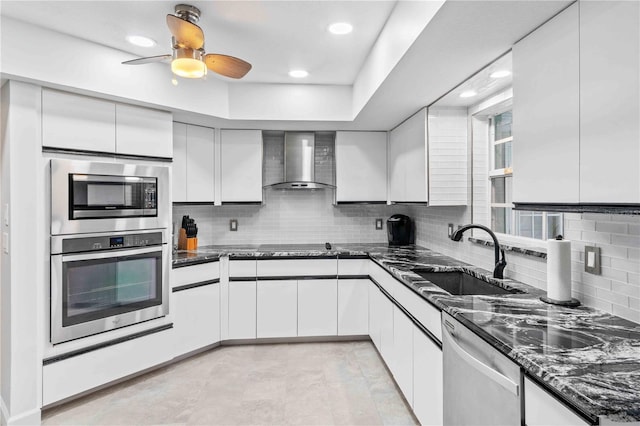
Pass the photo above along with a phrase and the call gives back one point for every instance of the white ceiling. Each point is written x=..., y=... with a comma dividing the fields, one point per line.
x=274, y=36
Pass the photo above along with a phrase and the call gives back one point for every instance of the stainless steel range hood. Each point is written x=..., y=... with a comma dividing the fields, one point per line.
x=299, y=163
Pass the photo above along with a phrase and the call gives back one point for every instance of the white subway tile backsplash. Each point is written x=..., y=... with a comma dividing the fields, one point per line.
x=627, y=313
x=632, y=241
x=596, y=237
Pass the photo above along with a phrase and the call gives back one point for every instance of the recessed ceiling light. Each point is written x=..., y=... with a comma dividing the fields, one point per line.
x=500, y=74
x=141, y=41
x=468, y=94
x=340, y=28
x=298, y=73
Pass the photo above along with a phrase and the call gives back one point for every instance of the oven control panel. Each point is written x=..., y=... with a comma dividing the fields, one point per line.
x=111, y=242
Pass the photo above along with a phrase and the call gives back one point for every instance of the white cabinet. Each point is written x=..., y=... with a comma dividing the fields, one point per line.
x=77, y=122
x=428, y=158
x=196, y=313
x=353, y=307
x=542, y=409
x=427, y=379
x=361, y=166
x=408, y=174
x=402, y=364
x=241, y=166
x=375, y=320
x=143, y=131
x=242, y=310
x=609, y=101
x=546, y=102
x=193, y=163
x=318, y=307
x=387, y=348
x=277, y=308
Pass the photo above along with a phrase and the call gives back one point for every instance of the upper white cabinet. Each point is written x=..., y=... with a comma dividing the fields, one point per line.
x=361, y=166
x=609, y=101
x=72, y=121
x=193, y=163
x=143, y=131
x=546, y=147
x=241, y=166
x=428, y=158
x=576, y=106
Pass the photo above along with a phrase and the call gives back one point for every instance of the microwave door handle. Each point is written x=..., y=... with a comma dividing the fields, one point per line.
x=109, y=254
x=481, y=367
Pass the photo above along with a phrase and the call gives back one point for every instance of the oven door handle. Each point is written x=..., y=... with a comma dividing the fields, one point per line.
x=110, y=254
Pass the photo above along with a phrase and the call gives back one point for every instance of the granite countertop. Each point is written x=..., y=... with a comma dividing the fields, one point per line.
x=589, y=358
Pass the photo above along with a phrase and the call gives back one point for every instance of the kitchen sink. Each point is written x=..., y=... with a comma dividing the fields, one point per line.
x=461, y=283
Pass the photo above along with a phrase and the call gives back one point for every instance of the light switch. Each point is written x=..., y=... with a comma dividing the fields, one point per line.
x=378, y=224
x=5, y=242
x=233, y=225
x=592, y=260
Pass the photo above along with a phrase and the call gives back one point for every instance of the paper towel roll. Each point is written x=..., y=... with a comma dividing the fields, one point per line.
x=559, y=270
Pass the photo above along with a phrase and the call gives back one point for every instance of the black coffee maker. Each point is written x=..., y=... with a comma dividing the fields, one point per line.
x=400, y=230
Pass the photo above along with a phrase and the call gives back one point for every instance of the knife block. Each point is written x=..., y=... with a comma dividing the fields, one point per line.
x=185, y=243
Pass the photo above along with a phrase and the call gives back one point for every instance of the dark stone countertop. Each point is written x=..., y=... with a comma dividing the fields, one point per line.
x=589, y=358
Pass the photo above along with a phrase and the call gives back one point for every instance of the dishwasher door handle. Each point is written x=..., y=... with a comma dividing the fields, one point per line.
x=481, y=367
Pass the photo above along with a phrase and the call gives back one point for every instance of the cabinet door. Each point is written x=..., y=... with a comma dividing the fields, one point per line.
x=427, y=379
x=542, y=409
x=353, y=307
x=196, y=318
x=77, y=122
x=200, y=153
x=277, y=308
x=179, y=165
x=402, y=367
x=408, y=160
x=242, y=310
x=143, y=131
x=375, y=320
x=317, y=307
x=361, y=166
x=386, y=331
x=241, y=170
x=546, y=145
x=609, y=101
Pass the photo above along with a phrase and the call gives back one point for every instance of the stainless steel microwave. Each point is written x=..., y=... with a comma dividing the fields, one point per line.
x=89, y=196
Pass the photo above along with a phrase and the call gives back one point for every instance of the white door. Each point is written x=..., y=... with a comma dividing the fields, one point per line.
x=241, y=165
x=361, y=166
x=402, y=367
x=196, y=318
x=318, y=307
x=143, y=131
x=277, y=308
x=200, y=164
x=375, y=320
x=353, y=307
x=427, y=379
x=242, y=310
x=179, y=164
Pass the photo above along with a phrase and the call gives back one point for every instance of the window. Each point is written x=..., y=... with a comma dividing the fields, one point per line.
x=504, y=219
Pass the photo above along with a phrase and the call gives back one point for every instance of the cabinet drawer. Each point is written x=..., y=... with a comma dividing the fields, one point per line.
x=423, y=311
x=382, y=277
x=297, y=267
x=353, y=267
x=540, y=408
x=195, y=274
x=242, y=268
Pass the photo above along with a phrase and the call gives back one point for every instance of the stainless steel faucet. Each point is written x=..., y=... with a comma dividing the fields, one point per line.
x=498, y=271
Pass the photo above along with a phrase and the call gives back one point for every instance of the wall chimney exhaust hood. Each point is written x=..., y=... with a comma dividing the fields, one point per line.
x=299, y=163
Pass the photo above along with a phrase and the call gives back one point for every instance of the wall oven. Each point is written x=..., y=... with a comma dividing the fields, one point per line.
x=92, y=197
x=100, y=282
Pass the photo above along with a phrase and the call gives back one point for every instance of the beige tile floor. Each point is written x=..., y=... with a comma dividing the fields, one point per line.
x=342, y=383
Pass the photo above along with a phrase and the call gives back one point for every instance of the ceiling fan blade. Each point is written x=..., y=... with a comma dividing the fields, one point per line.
x=229, y=66
x=147, y=60
x=186, y=34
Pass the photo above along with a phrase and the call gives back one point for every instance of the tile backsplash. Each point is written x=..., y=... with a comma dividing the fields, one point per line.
x=290, y=216
x=616, y=290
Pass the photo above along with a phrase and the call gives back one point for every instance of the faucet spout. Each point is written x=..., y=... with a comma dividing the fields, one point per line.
x=500, y=262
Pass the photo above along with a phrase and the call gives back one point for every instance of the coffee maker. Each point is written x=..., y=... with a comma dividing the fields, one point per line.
x=400, y=230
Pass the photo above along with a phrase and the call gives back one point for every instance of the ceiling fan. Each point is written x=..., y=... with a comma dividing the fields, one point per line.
x=188, y=59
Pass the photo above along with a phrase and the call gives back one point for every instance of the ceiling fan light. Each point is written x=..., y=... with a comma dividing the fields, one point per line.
x=188, y=68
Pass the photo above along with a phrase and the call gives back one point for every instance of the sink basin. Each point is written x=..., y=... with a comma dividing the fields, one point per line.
x=460, y=283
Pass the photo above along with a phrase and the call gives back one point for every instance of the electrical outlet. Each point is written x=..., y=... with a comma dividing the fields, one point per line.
x=592, y=260
x=378, y=224
x=450, y=230
x=233, y=225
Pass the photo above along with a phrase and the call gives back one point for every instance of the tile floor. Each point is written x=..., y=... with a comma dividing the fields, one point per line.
x=342, y=383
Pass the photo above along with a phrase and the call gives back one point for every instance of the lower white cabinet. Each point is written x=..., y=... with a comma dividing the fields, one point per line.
x=242, y=310
x=402, y=366
x=427, y=379
x=353, y=307
x=542, y=409
x=375, y=321
x=317, y=307
x=196, y=313
x=387, y=344
x=277, y=308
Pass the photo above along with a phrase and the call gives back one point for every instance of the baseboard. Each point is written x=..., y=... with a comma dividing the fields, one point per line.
x=29, y=418
x=301, y=339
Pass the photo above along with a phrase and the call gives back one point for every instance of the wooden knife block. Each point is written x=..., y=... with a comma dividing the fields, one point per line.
x=185, y=243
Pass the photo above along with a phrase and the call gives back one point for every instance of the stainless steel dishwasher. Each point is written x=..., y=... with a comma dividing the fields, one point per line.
x=481, y=386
